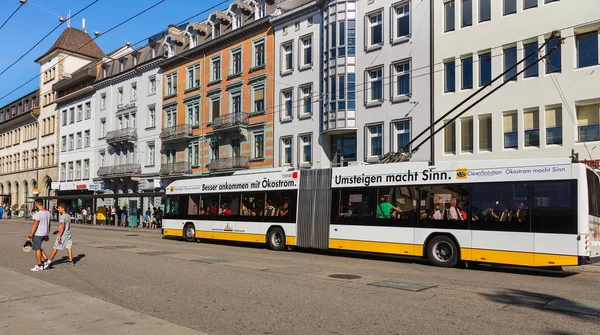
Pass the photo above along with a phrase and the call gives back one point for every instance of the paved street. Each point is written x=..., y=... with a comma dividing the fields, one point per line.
x=221, y=288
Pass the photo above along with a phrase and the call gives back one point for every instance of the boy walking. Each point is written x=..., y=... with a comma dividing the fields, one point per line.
x=39, y=234
x=63, y=240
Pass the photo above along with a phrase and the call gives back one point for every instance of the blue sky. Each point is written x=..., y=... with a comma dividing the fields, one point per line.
x=31, y=23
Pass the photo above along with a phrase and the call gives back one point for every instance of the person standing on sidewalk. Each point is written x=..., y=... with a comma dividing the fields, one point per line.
x=39, y=234
x=64, y=239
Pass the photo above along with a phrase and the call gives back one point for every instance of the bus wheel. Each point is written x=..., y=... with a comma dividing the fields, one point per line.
x=189, y=233
x=276, y=239
x=442, y=251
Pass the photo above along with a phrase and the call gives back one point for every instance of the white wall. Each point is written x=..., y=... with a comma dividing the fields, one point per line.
x=578, y=85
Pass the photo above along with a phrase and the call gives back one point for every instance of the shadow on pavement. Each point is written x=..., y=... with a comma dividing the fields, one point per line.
x=65, y=259
x=555, y=272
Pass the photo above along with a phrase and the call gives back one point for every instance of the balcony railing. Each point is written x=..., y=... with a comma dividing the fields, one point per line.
x=123, y=170
x=227, y=164
x=175, y=168
x=121, y=135
x=230, y=121
x=176, y=133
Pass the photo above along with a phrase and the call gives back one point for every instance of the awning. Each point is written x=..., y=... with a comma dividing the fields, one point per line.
x=102, y=196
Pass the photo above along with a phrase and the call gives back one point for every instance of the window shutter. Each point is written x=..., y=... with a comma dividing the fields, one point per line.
x=587, y=115
x=259, y=94
x=510, y=122
x=197, y=74
x=553, y=117
x=531, y=120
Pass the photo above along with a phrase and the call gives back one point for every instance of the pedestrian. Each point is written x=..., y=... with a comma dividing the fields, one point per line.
x=54, y=213
x=124, y=217
x=39, y=234
x=63, y=238
x=113, y=214
x=1, y=212
x=8, y=213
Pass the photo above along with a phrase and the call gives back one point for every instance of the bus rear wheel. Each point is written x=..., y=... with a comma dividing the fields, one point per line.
x=442, y=251
x=189, y=233
x=276, y=239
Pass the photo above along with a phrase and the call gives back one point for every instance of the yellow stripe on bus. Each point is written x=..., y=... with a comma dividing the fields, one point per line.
x=516, y=258
x=290, y=240
x=231, y=236
x=379, y=247
x=173, y=232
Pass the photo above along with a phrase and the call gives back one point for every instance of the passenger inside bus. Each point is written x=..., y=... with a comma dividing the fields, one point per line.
x=386, y=210
x=285, y=209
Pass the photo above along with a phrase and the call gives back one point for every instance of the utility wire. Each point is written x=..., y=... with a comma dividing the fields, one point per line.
x=11, y=15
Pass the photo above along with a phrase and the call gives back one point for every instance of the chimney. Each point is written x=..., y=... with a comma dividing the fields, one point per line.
x=83, y=24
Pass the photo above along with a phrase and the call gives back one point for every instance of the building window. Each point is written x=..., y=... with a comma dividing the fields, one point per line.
x=79, y=113
x=401, y=135
x=215, y=68
x=103, y=101
x=449, y=16
x=510, y=7
x=286, y=151
x=71, y=142
x=510, y=60
x=375, y=32
x=531, y=56
x=170, y=117
x=485, y=11
x=102, y=128
x=259, y=99
x=171, y=84
x=259, y=145
x=72, y=115
x=554, y=125
x=553, y=61
x=215, y=107
x=375, y=141
x=467, y=13
x=86, y=138
x=77, y=170
x=588, y=123
x=485, y=133
x=306, y=99
x=236, y=61
x=63, y=145
x=237, y=20
x=449, y=137
x=102, y=158
x=375, y=87
x=511, y=133
x=120, y=95
x=449, y=76
x=259, y=52
x=64, y=117
x=466, y=135
x=587, y=49
x=261, y=9
x=133, y=91
x=151, y=153
x=485, y=69
x=88, y=110
x=193, y=76
x=86, y=168
x=287, y=57
x=306, y=147
x=79, y=140
x=532, y=128
x=151, y=116
x=235, y=105
x=306, y=55
x=287, y=103
x=401, y=20
x=529, y=4
x=467, y=73
x=193, y=113
x=63, y=171
x=70, y=175
x=151, y=85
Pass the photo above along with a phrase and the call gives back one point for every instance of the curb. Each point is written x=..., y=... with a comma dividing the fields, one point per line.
x=582, y=268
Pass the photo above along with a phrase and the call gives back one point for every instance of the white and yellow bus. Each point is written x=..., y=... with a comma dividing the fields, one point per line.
x=518, y=212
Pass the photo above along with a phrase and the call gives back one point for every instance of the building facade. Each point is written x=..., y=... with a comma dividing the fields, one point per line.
x=218, y=93
x=374, y=90
x=18, y=150
x=127, y=127
x=547, y=111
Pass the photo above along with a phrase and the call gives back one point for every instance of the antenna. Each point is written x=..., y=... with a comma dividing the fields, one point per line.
x=83, y=24
x=69, y=19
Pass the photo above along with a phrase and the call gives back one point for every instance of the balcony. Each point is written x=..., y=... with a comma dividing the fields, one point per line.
x=121, y=136
x=119, y=171
x=229, y=164
x=176, y=168
x=178, y=133
x=230, y=122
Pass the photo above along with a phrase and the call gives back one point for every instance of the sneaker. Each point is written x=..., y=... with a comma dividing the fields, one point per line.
x=37, y=268
x=47, y=264
x=71, y=263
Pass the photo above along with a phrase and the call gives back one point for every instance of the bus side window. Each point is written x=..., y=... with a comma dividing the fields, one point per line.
x=554, y=207
x=501, y=206
x=193, y=202
x=357, y=206
x=209, y=205
x=445, y=206
x=398, y=204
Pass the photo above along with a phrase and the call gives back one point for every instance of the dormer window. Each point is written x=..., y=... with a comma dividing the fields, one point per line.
x=216, y=30
x=121, y=66
x=261, y=9
x=237, y=20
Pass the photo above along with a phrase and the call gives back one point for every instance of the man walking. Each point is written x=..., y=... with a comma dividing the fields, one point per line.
x=63, y=240
x=38, y=234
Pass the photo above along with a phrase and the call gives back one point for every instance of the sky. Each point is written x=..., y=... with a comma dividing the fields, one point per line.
x=31, y=23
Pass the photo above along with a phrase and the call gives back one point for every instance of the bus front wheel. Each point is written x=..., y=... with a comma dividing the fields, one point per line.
x=276, y=239
x=189, y=233
x=442, y=251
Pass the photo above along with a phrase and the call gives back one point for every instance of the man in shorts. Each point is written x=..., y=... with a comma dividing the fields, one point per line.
x=39, y=234
x=63, y=240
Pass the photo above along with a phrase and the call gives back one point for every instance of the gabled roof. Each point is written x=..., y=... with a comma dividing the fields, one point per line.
x=75, y=41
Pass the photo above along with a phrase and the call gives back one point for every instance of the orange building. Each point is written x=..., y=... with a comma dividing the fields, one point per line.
x=218, y=93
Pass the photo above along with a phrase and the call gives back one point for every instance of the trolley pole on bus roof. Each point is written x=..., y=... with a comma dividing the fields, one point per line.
x=405, y=153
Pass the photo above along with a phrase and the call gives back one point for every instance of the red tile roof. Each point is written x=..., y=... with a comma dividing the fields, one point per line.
x=76, y=41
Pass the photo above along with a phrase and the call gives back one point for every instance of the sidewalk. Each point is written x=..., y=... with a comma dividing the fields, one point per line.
x=90, y=226
x=29, y=305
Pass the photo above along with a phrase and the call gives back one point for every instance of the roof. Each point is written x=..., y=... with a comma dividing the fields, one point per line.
x=76, y=41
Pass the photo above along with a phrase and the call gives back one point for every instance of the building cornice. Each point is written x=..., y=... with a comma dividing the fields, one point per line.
x=128, y=74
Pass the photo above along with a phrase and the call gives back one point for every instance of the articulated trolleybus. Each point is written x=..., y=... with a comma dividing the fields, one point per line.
x=520, y=212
